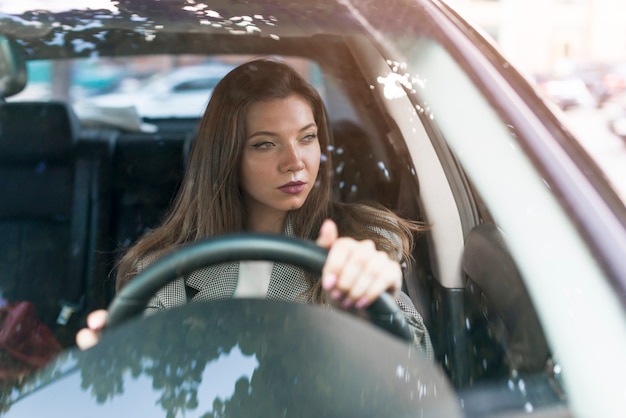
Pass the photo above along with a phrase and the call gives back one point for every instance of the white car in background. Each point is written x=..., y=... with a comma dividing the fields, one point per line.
x=568, y=93
x=184, y=92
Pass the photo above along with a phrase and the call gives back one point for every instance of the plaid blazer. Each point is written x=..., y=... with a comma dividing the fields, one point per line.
x=287, y=282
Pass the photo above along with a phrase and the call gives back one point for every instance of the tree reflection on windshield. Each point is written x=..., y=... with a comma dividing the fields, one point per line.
x=305, y=360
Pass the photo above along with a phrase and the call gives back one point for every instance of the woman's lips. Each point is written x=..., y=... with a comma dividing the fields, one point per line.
x=293, y=187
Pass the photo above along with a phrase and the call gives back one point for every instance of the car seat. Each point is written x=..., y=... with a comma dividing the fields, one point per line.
x=506, y=332
x=53, y=212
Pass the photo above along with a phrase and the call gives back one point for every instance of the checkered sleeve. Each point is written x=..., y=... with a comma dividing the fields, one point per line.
x=169, y=296
x=421, y=337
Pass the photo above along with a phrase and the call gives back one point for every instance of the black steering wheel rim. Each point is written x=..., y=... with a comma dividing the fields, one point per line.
x=133, y=298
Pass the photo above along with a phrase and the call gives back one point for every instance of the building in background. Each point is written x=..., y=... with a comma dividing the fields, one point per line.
x=552, y=37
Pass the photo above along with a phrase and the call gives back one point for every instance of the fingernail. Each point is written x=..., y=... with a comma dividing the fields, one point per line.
x=347, y=302
x=329, y=281
x=335, y=294
x=361, y=303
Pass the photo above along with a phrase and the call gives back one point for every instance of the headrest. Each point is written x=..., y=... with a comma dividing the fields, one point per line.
x=488, y=262
x=33, y=131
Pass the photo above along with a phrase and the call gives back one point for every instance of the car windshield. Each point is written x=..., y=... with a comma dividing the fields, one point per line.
x=520, y=249
x=235, y=358
x=152, y=87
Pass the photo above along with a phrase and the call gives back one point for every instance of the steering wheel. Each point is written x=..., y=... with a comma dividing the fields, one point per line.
x=133, y=298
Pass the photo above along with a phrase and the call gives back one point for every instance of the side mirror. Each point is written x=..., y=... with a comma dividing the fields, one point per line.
x=13, y=74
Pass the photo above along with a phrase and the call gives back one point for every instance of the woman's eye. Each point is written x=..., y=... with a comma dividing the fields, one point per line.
x=310, y=137
x=263, y=145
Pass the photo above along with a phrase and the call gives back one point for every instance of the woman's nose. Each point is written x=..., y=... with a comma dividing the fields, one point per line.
x=291, y=159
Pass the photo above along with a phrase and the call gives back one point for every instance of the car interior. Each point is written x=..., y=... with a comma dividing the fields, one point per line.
x=76, y=196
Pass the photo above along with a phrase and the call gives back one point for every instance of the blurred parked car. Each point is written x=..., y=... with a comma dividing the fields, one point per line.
x=183, y=92
x=567, y=92
x=603, y=80
x=520, y=278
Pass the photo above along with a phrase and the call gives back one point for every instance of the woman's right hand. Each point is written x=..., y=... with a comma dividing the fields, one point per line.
x=355, y=273
x=88, y=337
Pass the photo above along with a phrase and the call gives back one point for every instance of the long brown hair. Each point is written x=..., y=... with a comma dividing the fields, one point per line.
x=210, y=202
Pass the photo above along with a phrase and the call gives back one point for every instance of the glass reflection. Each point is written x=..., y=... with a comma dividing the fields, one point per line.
x=246, y=358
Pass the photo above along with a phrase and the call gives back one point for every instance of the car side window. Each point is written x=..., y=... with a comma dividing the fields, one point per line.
x=492, y=330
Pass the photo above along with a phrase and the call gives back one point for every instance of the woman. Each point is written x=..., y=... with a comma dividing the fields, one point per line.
x=260, y=163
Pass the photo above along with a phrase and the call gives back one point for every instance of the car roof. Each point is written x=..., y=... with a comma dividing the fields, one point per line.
x=270, y=20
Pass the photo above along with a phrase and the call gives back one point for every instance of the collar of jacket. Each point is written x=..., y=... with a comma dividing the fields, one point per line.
x=220, y=281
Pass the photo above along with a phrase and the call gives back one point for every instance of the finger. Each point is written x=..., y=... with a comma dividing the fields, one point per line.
x=391, y=283
x=336, y=261
x=97, y=319
x=374, y=271
x=355, y=264
x=348, y=261
x=86, y=338
x=328, y=234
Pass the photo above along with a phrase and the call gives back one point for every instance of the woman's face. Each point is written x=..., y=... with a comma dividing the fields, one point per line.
x=281, y=158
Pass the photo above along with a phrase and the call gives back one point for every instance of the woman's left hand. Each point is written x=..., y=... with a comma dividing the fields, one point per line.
x=356, y=273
